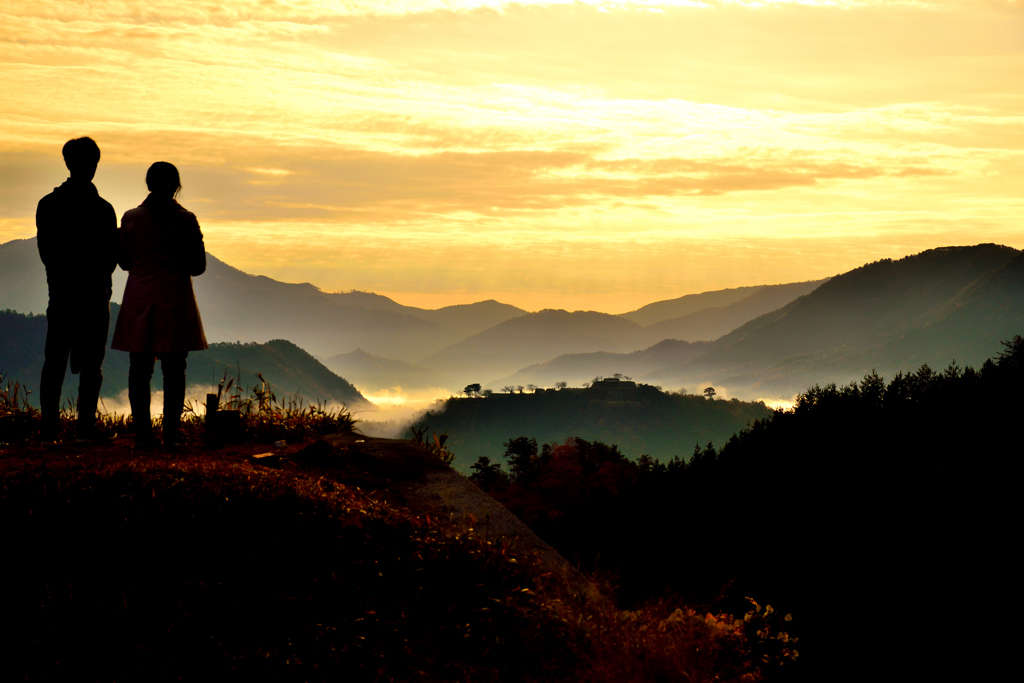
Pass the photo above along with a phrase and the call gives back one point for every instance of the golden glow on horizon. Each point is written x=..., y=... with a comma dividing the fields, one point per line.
x=547, y=154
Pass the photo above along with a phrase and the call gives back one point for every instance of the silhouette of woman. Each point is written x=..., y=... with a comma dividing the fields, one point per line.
x=161, y=246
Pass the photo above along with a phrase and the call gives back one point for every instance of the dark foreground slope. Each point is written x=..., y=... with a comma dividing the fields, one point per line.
x=140, y=566
x=642, y=420
x=288, y=369
x=152, y=568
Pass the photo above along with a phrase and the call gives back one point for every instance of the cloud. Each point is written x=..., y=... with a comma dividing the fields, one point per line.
x=348, y=185
x=475, y=145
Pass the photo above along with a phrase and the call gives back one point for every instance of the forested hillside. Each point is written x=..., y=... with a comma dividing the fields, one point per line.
x=880, y=514
x=640, y=419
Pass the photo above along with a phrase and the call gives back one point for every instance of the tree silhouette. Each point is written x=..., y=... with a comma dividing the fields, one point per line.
x=471, y=390
x=520, y=453
x=487, y=474
x=709, y=393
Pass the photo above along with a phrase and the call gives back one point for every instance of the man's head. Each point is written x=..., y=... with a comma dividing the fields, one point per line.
x=81, y=156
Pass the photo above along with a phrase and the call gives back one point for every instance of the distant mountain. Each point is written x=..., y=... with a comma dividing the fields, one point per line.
x=236, y=306
x=286, y=367
x=588, y=343
x=712, y=323
x=970, y=329
x=469, y=319
x=941, y=304
x=639, y=419
x=466, y=343
x=372, y=373
x=669, y=309
x=23, y=278
x=577, y=368
x=533, y=338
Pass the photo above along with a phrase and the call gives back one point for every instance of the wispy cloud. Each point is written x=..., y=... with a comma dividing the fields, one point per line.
x=528, y=122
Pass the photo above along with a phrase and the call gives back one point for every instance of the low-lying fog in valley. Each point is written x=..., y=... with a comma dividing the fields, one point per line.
x=396, y=409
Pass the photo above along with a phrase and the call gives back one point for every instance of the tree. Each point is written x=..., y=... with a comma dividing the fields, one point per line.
x=520, y=453
x=531, y=387
x=872, y=389
x=486, y=473
x=508, y=389
x=1012, y=355
x=709, y=393
x=561, y=385
x=471, y=390
x=520, y=388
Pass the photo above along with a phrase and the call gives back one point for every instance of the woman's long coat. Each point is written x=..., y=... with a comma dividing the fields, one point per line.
x=161, y=246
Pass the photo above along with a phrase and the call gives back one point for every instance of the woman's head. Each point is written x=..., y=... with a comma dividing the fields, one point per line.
x=162, y=179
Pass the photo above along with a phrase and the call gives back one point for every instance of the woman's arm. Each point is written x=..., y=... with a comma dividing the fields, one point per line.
x=124, y=244
x=195, y=253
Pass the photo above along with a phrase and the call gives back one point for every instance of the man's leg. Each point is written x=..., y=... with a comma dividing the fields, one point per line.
x=89, y=351
x=58, y=348
x=140, y=372
x=173, y=366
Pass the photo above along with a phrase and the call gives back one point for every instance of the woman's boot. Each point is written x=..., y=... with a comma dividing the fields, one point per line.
x=140, y=372
x=173, y=367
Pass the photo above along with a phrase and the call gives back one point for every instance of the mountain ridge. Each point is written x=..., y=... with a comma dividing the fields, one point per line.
x=835, y=332
x=288, y=369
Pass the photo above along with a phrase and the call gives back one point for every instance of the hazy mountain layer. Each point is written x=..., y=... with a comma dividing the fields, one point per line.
x=712, y=323
x=577, y=368
x=372, y=373
x=287, y=368
x=469, y=319
x=461, y=344
x=954, y=302
x=536, y=337
x=236, y=306
x=640, y=420
x=533, y=338
x=23, y=278
x=685, y=305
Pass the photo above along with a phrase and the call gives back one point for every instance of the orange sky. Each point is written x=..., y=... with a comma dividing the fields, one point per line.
x=585, y=155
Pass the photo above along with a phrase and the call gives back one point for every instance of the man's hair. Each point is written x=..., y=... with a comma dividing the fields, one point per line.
x=163, y=177
x=81, y=153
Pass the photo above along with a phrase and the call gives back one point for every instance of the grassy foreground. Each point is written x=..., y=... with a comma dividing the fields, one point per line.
x=131, y=565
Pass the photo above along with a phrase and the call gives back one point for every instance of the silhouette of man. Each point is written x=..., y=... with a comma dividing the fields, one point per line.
x=77, y=238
